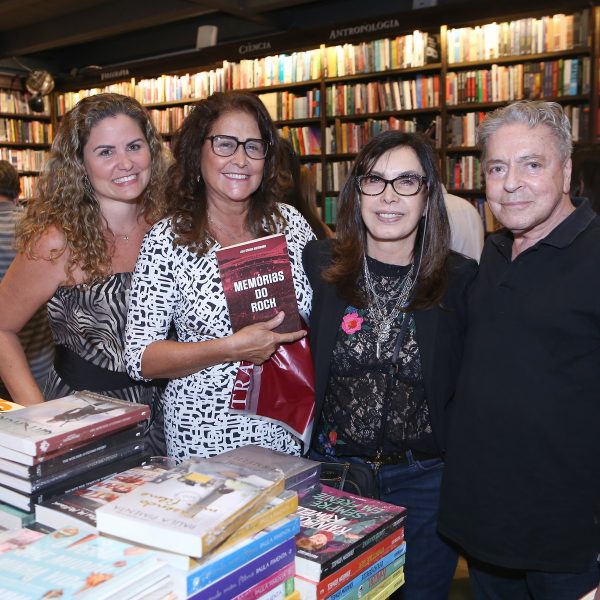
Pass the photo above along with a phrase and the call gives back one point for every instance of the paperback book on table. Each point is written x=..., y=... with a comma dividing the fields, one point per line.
x=49, y=426
x=69, y=563
x=300, y=473
x=257, y=282
x=101, y=450
x=336, y=526
x=27, y=501
x=13, y=518
x=319, y=590
x=78, y=508
x=35, y=483
x=191, y=508
x=221, y=562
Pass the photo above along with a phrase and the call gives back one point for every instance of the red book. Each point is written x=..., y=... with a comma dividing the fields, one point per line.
x=52, y=425
x=257, y=282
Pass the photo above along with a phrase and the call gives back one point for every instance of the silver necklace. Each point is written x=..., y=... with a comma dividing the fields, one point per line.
x=382, y=319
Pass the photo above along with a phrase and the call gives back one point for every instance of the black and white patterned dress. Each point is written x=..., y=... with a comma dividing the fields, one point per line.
x=173, y=285
x=90, y=322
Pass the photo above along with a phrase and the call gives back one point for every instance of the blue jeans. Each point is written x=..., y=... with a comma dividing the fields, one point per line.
x=494, y=583
x=430, y=561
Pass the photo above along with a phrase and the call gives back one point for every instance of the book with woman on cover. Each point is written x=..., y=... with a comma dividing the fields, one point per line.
x=192, y=507
x=55, y=424
x=336, y=526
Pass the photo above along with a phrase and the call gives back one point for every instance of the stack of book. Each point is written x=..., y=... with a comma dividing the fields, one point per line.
x=62, y=444
x=348, y=546
x=225, y=530
x=69, y=563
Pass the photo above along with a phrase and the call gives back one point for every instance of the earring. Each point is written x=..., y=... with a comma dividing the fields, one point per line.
x=87, y=186
x=199, y=179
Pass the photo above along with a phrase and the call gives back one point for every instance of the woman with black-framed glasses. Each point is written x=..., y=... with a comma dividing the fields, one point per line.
x=225, y=188
x=386, y=331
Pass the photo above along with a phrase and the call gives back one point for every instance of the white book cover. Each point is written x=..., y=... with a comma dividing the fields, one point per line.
x=190, y=508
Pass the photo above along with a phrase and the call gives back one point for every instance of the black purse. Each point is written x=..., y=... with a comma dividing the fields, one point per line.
x=355, y=478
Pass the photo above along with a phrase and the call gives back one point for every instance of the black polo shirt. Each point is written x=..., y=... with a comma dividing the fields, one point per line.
x=522, y=479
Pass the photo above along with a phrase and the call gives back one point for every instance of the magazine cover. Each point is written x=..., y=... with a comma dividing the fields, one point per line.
x=190, y=508
x=257, y=281
x=55, y=424
x=336, y=526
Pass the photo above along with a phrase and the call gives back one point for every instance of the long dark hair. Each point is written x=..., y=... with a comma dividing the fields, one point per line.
x=350, y=245
x=186, y=189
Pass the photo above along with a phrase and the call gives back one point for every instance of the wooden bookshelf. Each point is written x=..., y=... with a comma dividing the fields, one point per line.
x=328, y=99
x=25, y=136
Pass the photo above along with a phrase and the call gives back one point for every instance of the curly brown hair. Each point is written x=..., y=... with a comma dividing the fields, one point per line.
x=65, y=199
x=350, y=244
x=186, y=189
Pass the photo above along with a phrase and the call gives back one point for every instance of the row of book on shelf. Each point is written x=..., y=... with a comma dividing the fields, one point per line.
x=380, y=96
x=15, y=102
x=523, y=36
x=24, y=159
x=555, y=33
x=548, y=79
x=461, y=128
x=16, y=130
x=89, y=515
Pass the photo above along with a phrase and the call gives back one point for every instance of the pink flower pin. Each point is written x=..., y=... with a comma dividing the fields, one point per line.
x=351, y=323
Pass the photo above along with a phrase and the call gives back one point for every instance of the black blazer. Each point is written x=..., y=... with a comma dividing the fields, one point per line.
x=440, y=332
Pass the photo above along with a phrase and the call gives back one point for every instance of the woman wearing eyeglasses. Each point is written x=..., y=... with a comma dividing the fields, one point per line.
x=224, y=186
x=389, y=304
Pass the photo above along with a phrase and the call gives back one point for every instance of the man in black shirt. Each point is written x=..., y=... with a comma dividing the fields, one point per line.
x=521, y=491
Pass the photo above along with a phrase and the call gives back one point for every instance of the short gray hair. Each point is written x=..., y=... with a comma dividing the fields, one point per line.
x=531, y=113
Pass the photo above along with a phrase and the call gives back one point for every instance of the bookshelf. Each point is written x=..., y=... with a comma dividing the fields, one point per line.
x=25, y=136
x=443, y=78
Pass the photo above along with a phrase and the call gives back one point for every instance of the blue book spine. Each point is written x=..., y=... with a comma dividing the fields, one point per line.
x=239, y=555
x=384, y=563
x=249, y=574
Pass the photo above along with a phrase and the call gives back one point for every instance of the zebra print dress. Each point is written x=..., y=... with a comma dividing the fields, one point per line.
x=90, y=322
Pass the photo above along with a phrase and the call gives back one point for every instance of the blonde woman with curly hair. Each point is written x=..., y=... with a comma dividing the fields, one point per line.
x=99, y=193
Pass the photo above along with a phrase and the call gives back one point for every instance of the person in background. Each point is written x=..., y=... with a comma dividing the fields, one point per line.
x=225, y=185
x=386, y=332
x=521, y=490
x=35, y=337
x=302, y=194
x=585, y=180
x=99, y=193
x=466, y=226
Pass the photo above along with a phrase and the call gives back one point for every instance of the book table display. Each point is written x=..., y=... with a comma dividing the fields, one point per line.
x=249, y=524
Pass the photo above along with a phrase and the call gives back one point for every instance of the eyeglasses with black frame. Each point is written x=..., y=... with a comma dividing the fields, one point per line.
x=227, y=145
x=409, y=184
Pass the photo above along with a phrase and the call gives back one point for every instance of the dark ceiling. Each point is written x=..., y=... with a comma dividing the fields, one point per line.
x=66, y=36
